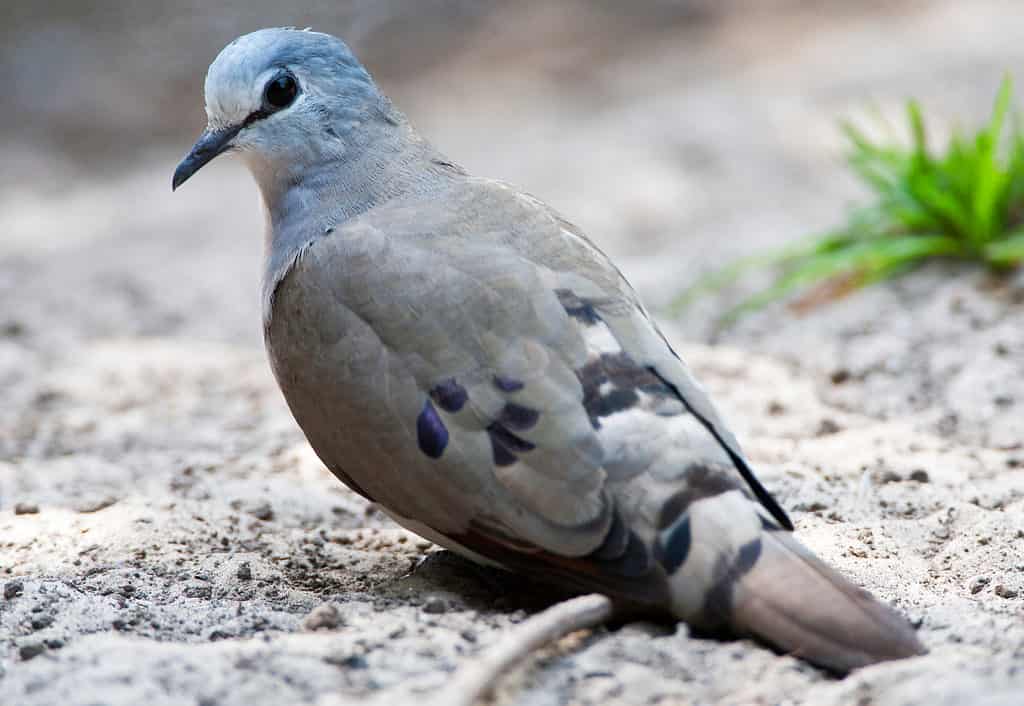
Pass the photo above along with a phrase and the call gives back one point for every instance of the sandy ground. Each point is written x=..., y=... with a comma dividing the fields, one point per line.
x=166, y=537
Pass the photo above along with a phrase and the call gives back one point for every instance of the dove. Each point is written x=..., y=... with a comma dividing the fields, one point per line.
x=462, y=355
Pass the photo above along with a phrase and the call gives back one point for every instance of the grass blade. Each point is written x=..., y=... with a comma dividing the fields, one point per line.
x=1006, y=253
x=965, y=201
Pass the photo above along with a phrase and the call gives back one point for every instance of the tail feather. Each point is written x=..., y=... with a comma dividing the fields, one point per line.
x=730, y=567
x=793, y=600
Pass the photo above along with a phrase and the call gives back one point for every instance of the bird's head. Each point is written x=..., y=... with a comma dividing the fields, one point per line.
x=285, y=99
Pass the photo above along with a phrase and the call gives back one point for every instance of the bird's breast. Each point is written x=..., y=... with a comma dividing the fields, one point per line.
x=356, y=402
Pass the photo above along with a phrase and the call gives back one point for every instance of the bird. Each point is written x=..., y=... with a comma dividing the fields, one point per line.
x=463, y=356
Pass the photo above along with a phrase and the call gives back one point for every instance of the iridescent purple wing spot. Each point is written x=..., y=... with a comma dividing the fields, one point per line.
x=431, y=433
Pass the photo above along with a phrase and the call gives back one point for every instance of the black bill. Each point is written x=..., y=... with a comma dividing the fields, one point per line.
x=209, y=145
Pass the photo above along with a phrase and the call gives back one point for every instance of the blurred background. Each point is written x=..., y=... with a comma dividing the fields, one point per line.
x=678, y=133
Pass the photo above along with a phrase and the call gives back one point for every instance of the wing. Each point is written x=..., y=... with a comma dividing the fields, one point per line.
x=521, y=365
x=489, y=378
x=642, y=346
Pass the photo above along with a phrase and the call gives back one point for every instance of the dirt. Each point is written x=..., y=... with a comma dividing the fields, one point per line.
x=167, y=537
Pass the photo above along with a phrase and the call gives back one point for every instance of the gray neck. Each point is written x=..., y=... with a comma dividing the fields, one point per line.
x=384, y=160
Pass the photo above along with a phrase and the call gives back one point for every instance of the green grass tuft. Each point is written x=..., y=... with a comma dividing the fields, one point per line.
x=966, y=204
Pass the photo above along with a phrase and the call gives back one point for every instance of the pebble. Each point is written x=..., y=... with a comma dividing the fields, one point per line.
x=31, y=650
x=1004, y=591
x=839, y=376
x=24, y=508
x=205, y=592
x=12, y=329
x=244, y=572
x=262, y=511
x=90, y=505
x=435, y=605
x=323, y=617
x=43, y=621
x=347, y=661
x=13, y=589
x=827, y=427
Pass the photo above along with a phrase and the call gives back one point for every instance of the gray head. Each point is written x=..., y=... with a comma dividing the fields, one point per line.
x=286, y=99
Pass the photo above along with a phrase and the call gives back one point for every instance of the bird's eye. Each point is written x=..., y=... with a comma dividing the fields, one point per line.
x=280, y=92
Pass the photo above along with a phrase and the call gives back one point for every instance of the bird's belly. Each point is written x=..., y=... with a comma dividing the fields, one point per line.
x=357, y=404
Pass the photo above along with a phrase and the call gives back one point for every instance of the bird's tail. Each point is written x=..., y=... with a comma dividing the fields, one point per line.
x=731, y=567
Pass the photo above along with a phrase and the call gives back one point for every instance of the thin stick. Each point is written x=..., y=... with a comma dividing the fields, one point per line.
x=478, y=676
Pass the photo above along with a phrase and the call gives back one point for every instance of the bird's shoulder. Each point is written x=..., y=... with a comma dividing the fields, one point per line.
x=465, y=216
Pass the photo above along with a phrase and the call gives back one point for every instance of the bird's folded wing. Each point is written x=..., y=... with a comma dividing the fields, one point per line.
x=538, y=372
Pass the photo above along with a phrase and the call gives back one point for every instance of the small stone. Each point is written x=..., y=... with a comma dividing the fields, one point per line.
x=95, y=504
x=948, y=424
x=435, y=605
x=1004, y=591
x=323, y=617
x=978, y=584
x=26, y=509
x=244, y=572
x=776, y=408
x=12, y=329
x=839, y=376
x=204, y=592
x=347, y=661
x=468, y=635
x=827, y=427
x=13, y=589
x=889, y=477
x=31, y=651
x=262, y=511
x=42, y=621
x=919, y=475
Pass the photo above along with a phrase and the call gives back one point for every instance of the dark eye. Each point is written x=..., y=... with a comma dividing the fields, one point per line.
x=280, y=92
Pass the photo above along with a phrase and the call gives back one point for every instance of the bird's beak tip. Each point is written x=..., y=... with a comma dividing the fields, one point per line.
x=182, y=172
x=210, y=144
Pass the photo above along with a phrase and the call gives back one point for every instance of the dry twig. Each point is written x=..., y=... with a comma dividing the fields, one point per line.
x=476, y=678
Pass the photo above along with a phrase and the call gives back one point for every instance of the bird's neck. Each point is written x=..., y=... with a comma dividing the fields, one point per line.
x=332, y=181
x=308, y=199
